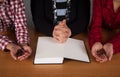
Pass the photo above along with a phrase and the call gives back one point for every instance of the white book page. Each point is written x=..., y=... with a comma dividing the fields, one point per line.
x=48, y=51
x=75, y=49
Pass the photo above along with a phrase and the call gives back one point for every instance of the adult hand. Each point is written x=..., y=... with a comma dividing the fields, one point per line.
x=61, y=32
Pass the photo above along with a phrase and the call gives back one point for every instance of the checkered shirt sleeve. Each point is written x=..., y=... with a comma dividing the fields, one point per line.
x=4, y=41
x=20, y=22
x=16, y=12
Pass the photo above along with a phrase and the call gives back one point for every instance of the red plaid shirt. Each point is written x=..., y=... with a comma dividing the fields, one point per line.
x=104, y=16
x=12, y=15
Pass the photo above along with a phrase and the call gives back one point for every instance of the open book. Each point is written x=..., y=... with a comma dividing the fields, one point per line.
x=50, y=52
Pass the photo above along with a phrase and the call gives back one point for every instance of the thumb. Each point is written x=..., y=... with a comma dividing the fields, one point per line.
x=64, y=22
x=110, y=57
x=13, y=56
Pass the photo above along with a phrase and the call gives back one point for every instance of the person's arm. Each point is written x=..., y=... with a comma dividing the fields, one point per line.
x=4, y=41
x=95, y=33
x=20, y=22
x=8, y=45
x=42, y=24
x=83, y=17
x=115, y=41
x=21, y=29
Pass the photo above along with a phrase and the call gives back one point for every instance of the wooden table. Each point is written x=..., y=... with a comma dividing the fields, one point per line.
x=70, y=68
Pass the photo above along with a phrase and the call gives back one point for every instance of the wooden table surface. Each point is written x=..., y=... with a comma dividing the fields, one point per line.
x=70, y=68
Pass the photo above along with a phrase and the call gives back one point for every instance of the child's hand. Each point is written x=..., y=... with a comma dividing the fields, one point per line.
x=95, y=52
x=108, y=47
x=18, y=53
x=27, y=52
x=104, y=55
x=13, y=50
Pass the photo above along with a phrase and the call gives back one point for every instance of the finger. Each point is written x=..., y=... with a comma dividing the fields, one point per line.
x=61, y=39
x=110, y=57
x=94, y=54
x=61, y=23
x=55, y=32
x=62, y=28
x=102, y=56
x=64, y=40
x=56, y=35
x=97, y=59
x=65, y=33
x=57, y=39
x=56, y=29
x=64, y=22
x=20, y=58
x=103, y=60
x=59, y=32
x=26, y=55
x=13, y=56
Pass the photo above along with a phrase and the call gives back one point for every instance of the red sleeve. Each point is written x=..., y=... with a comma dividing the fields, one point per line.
x=95, y=33
x=116, y=43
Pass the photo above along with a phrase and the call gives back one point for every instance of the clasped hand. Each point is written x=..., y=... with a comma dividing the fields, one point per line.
x=61, y=32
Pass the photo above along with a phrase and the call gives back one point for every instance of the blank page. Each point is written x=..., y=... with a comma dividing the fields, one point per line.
x=75, y=49
x=48, y=51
